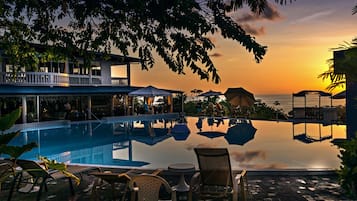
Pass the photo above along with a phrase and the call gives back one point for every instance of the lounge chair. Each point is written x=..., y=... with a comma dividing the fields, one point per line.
x=215, y=179
x=40, y=176
x=147, y=187
x=120, y=180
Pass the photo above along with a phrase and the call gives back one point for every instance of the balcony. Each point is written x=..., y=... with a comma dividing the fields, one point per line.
x=56, y=79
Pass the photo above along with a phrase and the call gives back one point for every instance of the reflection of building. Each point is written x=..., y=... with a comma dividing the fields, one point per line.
x=67, y=89
x=317, y=113
x=309, y=137
x=95, y=144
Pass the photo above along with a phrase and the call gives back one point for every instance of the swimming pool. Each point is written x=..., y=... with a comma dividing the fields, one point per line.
x=274, y=145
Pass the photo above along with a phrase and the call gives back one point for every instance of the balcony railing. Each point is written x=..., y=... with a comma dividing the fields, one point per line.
x=55, y=79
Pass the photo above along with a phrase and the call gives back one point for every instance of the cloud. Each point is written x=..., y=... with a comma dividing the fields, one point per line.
x=248, y=156
x=270, y=13
x=216, y=54
x=313, y=16
x=257, y=31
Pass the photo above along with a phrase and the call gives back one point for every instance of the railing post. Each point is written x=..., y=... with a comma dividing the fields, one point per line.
x=51, y=79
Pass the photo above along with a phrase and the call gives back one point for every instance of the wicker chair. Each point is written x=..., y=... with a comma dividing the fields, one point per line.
x=215, y=179
x=116, y=181
x=147, y=187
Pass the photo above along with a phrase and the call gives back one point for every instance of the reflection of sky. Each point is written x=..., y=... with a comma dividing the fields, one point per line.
x=272, y=147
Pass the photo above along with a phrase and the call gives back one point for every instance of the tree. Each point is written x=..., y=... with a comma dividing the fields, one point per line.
x=178, y=31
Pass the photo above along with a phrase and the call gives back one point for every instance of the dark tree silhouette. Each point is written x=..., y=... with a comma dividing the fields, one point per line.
x=178, y=30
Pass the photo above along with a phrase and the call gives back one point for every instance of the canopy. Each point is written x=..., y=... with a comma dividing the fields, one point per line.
x=306, y=92
x=149, y=91
x=211, y=93
x=240, y=134
x=239, y=97
x=340, y=95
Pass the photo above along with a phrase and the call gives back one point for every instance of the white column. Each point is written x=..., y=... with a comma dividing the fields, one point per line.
x=89, y=107
x=38, y=107
x=24, y=109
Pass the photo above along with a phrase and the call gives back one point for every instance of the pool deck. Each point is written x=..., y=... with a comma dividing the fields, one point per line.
x=271, y=185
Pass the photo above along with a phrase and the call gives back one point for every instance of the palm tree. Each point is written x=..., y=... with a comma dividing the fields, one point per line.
x=338, y=79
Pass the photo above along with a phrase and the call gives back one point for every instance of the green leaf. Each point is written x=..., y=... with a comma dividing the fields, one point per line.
x=6, y=138
x=9, y=120
x=16, y=151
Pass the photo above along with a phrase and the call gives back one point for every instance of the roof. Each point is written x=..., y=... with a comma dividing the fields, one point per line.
x=340, y=95
x=98, y=56
x=11, y=90
x=308, y=92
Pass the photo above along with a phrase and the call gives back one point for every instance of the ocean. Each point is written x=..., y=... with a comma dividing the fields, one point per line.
x=285, y=101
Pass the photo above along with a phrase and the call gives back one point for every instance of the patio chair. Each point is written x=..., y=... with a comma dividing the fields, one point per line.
x=120, y=180
x=147, y=187
x=40, y=176
x=215, y=179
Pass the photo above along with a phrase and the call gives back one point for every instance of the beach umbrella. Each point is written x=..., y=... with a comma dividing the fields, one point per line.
x=239, y=97
x=240, y=134
x=211, y=93
x=149, y=91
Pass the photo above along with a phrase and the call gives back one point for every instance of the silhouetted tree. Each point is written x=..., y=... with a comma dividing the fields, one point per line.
x=178, y=31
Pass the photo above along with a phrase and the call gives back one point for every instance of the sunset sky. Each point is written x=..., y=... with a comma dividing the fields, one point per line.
x=299, y=37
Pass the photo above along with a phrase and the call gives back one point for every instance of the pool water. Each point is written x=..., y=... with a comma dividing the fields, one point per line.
x=273, y=145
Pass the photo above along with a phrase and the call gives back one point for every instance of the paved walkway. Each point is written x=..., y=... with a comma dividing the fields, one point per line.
x=266, y=187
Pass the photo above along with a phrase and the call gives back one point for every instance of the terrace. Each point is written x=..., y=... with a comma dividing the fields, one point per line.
x=57, y=79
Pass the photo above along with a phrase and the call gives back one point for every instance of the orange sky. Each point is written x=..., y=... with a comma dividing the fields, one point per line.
x=299, y=39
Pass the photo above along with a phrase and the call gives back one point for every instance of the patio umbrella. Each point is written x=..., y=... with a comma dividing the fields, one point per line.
x=211, y=93
x=149, y=91
x=240, y=134
x=239, y=97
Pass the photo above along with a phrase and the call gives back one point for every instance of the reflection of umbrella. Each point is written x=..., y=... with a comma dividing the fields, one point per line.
x=149, y=91
x=211, y=134
x=143, y=137
x=211, y=93
x=240, y=134
x=128, y=163
x=239, y=97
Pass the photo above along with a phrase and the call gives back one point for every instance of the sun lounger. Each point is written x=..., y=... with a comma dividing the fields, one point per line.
x=36, y=177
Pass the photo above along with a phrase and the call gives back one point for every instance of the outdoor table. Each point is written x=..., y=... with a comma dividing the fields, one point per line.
x=182, y=168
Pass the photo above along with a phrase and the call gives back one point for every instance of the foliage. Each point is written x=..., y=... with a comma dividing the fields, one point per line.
x=258, y=111
x=62, y=167
x=338, y=79
x=6, y=122
x=178, y=31
x=348, y=168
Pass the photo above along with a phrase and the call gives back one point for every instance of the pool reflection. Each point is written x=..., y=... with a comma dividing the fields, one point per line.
x=269, y=145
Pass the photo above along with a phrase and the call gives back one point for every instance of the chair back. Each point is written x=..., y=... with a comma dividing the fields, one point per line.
x=33, y=168
x=147, y=187
x=215, y=166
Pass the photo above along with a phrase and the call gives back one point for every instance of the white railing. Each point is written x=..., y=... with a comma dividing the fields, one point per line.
x=55, y=79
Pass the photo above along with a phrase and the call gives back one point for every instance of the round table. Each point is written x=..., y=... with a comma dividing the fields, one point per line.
x=182, y=168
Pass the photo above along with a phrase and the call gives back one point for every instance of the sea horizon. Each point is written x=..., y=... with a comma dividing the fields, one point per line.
x=285, y=101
